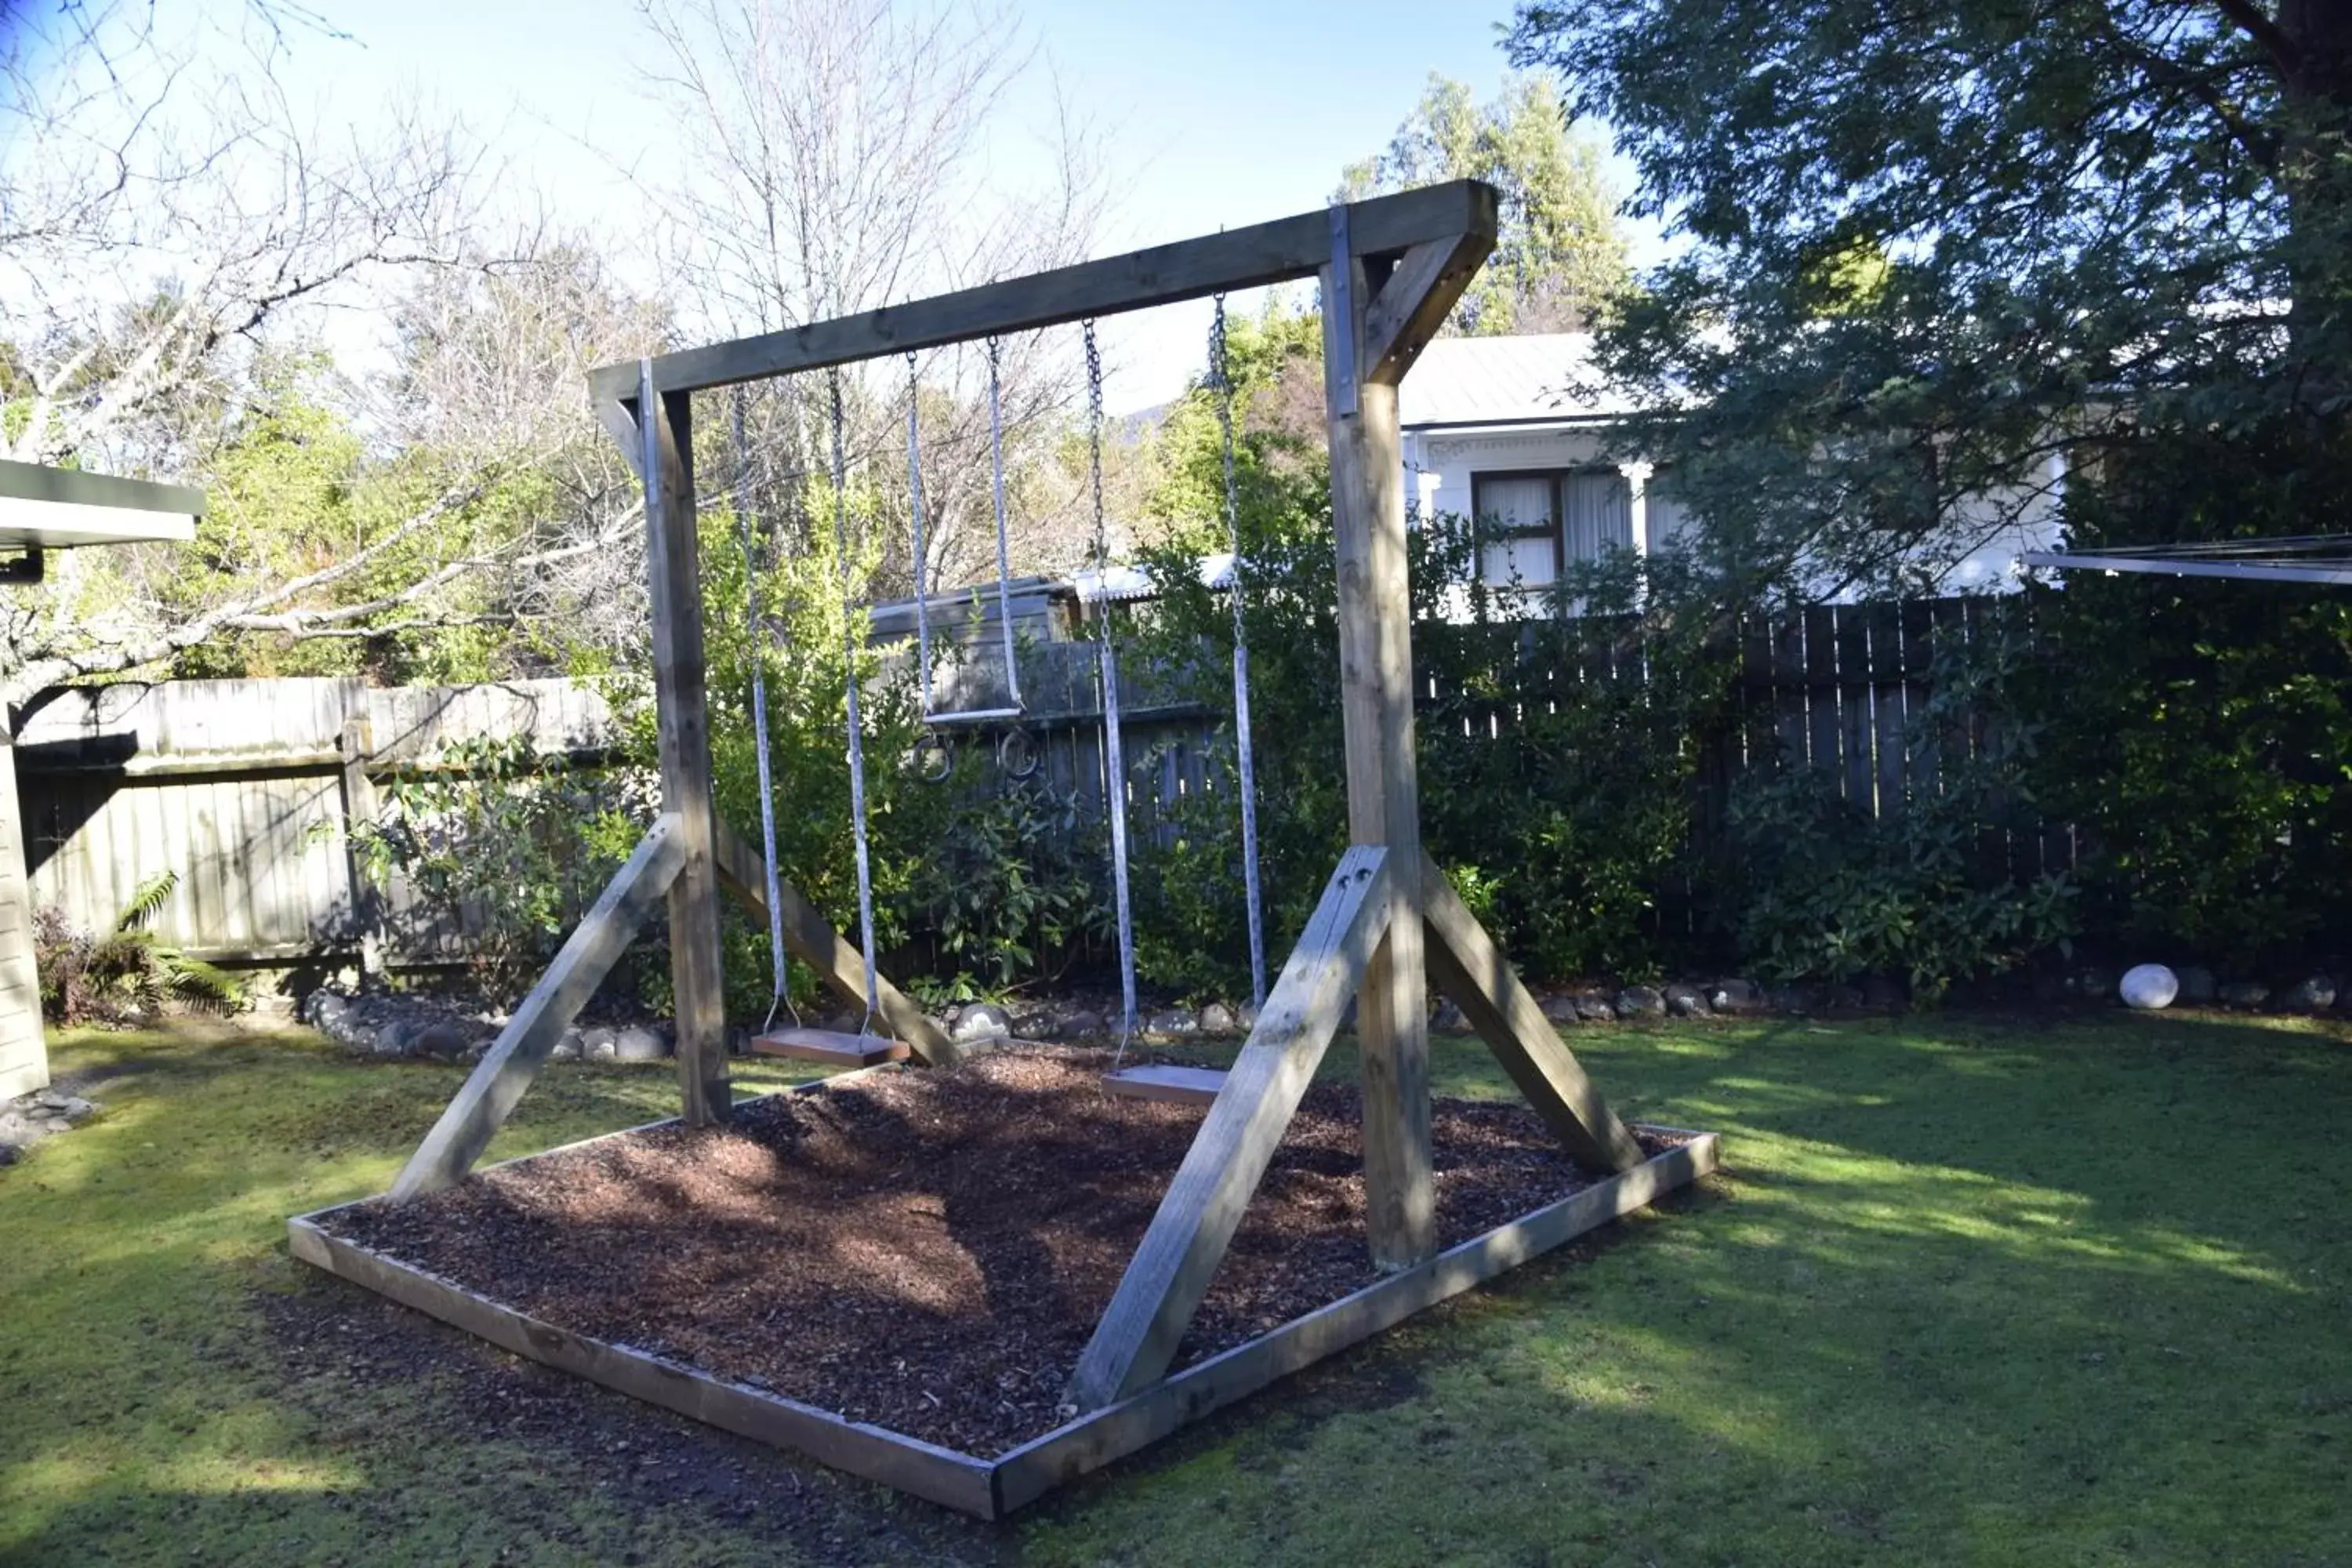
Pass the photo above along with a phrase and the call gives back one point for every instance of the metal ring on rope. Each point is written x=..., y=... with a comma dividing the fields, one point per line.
x=1017, y=755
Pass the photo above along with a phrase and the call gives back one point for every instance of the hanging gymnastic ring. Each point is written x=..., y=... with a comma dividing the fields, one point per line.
x=1016, y=753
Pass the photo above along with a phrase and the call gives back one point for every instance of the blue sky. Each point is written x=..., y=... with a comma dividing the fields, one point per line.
x=1211, y=114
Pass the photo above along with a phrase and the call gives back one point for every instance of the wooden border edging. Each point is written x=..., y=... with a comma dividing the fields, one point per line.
x=994, y=1489
x=938, y=1473
x=1037, y=1467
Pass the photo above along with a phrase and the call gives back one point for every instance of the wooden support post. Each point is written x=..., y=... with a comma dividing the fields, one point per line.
x=24, y=1047
x=1196, y=1222
x=1376, y=321
x=515, y=1058
x=812, y=941
x=1383, y=786
x=1467, y=966
x=674, y=579
x=358, y=750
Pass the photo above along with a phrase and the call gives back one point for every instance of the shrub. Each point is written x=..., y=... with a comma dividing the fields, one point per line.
x=127, y=973
x=1825, y=891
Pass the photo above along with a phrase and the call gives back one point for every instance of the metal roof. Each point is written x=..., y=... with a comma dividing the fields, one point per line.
x=43, y=507
x=1541, y=378
x=1128, y=585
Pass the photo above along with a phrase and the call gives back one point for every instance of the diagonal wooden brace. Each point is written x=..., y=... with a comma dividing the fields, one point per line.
x=1171, y=1271
x=814, y=942
x=499, y=1080
x=1465, y=964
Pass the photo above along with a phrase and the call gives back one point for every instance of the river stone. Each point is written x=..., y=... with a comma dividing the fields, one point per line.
x=440, y=1042
x=597, y=1044
x=1216, y=1018
x=1559, y=1008
x=1082, y=1023
x=2149, y=986
x=1172, y=1021
x=1447, y=1018
x=1793, y=999
x=2245, y=993
x=1684, y=1000
x=1641, y=1002
x=2198, y=986
x=982, y=1021
x=638, y=1042
x=2094, y=983
x=1594, y=1007
x=1736, y=996
x=566, y=1048
x=2314, y=993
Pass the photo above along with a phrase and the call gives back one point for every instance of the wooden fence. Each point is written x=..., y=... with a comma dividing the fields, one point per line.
x=244, y=789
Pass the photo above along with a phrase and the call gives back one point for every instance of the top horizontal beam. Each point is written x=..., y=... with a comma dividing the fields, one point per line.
x=1277, y=252
x=2160, y=566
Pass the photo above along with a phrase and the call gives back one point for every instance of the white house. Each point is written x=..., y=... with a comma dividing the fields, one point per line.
x=1515, y=432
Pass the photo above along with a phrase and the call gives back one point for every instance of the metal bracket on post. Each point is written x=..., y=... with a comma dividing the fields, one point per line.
x=1342, y=306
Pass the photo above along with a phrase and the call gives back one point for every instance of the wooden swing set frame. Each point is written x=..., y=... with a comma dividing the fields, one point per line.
x=1387, y=924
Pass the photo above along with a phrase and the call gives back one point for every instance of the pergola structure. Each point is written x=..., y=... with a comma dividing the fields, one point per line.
x=1388, y=922
x=44, y=509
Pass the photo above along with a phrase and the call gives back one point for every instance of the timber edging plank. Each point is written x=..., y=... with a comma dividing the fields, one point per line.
x=993, y=1488
x=1028, y=1472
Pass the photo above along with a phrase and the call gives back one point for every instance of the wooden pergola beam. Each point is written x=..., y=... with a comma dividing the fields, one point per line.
x=682, y=733
x=1277, y=252
x=1136, y=1339
x=1468, y=967
x=588, y=954
x=1375, y=320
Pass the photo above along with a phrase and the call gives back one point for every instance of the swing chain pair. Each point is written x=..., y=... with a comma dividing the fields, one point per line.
x=856, y=736
x=1114, y=753
x=1014, y=751
x=1221, y=377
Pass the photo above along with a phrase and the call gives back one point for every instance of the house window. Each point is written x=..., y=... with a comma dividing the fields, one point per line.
x=1533, y=525
x=1518, y=529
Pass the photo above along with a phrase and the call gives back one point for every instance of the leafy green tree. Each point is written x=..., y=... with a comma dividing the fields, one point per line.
x=1561, y=254
x=1945, y=260
x=1949, y=252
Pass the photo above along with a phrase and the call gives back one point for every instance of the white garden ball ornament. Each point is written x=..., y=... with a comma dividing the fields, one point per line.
x=2150, y=986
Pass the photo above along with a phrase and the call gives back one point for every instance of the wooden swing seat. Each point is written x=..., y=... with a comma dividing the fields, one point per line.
x=1174, y=1084
x=829, y=1047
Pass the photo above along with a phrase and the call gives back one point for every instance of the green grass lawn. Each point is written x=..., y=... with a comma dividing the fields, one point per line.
x=1970, y=1292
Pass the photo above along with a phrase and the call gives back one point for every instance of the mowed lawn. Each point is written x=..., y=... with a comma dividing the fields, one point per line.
x=1971, y=1290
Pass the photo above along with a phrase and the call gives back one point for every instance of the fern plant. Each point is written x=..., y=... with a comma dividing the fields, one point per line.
x=127, y=972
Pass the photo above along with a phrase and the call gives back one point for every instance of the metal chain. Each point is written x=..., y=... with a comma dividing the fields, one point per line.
x=1222, y=377
x=1093, y=454
x=915, y=508
x=1004, y=549
x=755, y=625
x=856, y=737
x=1114, y=752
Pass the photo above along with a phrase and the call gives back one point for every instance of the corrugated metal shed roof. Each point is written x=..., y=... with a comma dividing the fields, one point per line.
x=1127, y=584
x=1535, y=379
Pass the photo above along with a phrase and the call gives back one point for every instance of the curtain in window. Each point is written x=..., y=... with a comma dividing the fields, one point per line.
x=1668, y=516
x=1520, y=506
x=1599, y=509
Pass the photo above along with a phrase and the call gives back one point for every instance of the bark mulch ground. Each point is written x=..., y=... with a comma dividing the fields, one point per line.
x=929, y=1251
